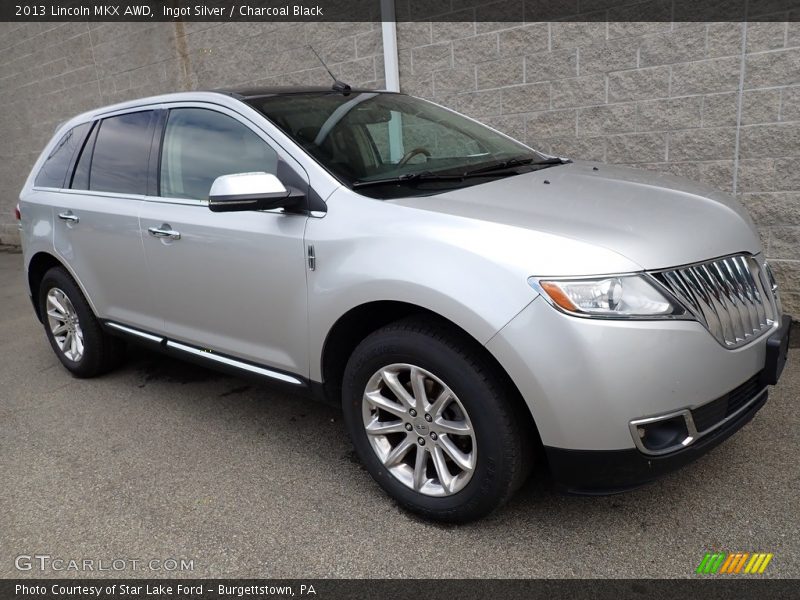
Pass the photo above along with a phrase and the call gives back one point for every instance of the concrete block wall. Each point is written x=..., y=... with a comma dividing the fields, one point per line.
x=50, y=72
x=716, y=102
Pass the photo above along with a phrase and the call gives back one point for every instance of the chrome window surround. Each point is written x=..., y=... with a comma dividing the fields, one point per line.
x=248, y=122
x=692, y=434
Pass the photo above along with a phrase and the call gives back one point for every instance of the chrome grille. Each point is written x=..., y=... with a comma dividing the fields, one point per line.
x=731, y=296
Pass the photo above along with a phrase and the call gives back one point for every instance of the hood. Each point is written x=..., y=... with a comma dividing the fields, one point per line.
x=656, y=221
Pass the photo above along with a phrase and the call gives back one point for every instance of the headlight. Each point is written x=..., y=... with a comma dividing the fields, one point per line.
x=622, y=297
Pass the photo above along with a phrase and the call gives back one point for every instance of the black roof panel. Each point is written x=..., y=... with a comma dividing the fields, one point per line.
x=256, y=92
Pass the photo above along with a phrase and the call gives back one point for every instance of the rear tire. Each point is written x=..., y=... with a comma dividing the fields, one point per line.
x=474, y=446
x=75, y=334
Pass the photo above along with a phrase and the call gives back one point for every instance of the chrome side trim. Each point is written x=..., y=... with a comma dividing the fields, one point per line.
x=207, y=354
x=136, y=332
x=694, y=435
x=233, y=363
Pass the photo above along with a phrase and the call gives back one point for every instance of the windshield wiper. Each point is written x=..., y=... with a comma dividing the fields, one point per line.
x=407, y=178
x=485, y=171
x=514, y=162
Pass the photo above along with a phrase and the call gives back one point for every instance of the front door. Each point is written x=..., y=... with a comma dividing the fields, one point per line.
x=233, y=283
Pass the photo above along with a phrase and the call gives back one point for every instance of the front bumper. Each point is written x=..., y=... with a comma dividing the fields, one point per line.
x=612, y=471
x=585, y=380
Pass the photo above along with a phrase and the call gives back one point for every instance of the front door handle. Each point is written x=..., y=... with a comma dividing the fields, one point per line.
x=68, y=216
x=165, y=231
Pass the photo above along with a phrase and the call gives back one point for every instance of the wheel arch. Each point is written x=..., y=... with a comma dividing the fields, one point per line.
x=39, y=264
x=359, y=322
x=350, y=329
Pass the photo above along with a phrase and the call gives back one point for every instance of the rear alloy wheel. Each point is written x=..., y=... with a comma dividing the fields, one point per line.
x=64, y=325
x=434, y=421
x=74, y=332
x=419, y=430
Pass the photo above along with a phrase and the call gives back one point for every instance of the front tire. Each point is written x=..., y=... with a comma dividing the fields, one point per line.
x=75, y=334
x=434, y=422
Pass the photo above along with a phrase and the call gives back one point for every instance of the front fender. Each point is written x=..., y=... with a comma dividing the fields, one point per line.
x=367, y=251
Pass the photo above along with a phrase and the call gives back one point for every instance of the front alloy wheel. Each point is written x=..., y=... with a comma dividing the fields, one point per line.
x=434, y=421
x=419, y=430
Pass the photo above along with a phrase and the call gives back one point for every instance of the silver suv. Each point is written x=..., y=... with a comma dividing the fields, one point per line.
x=473, y=304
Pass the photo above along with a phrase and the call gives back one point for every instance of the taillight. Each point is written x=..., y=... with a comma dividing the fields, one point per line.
x=17, y=214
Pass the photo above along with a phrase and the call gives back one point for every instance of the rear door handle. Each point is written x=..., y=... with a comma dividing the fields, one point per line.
x=68, y=216
x=165, y=231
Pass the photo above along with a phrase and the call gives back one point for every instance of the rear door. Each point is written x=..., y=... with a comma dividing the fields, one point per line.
x=233, y=283
x=97, y=218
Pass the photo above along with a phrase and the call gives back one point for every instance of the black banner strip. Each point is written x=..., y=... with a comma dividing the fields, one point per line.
x=512, y=11
x=712, y=587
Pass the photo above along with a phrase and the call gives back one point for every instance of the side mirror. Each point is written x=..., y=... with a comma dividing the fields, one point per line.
x=251, y=191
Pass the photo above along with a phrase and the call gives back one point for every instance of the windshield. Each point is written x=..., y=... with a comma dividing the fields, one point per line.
x=389, y=145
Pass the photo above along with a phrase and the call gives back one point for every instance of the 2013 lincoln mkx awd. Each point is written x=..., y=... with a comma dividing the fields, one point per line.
x=473, y=304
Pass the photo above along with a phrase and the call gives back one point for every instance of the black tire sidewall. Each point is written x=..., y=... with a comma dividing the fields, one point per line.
x=478, y=392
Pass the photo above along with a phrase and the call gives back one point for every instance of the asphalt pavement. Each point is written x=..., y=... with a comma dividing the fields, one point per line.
x=165, y=460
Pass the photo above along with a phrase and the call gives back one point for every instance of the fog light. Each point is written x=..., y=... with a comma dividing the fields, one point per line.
x=663, y=434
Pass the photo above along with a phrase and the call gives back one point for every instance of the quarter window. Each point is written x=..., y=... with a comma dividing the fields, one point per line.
x=54, y=169
x=200, y=145
x=121, y=154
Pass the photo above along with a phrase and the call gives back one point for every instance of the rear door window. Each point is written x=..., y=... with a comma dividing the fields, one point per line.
x=121, y=153
x=54, y=170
